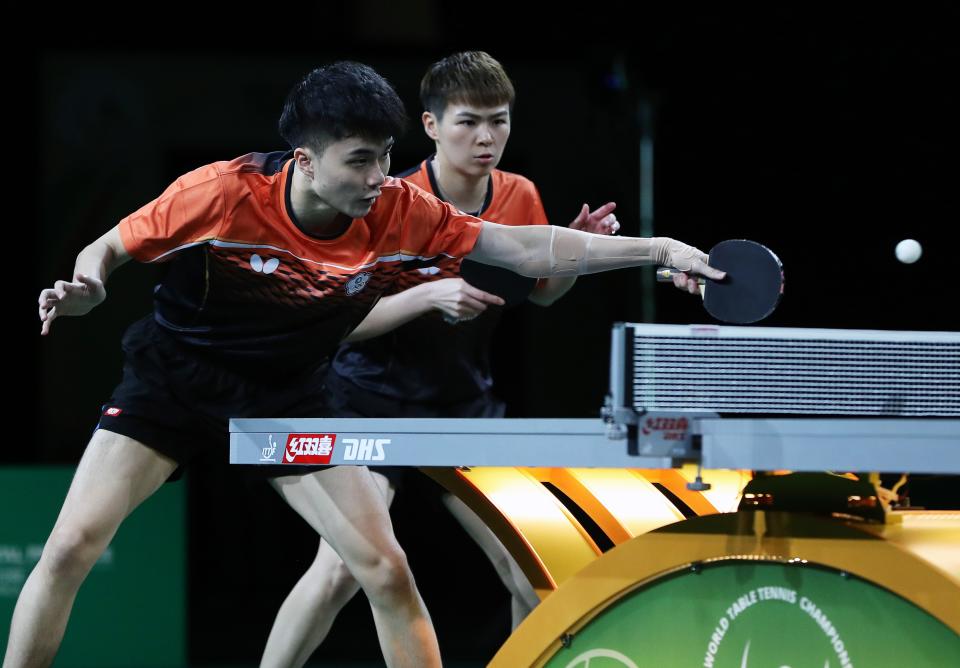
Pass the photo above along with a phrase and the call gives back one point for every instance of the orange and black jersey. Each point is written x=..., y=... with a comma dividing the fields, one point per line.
x=511, y=199
x=250, y=287
x=427, y=359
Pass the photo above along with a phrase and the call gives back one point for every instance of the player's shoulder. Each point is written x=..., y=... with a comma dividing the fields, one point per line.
x=418, y=175
x=396, y=187
x=263, y=164
x=513, y=181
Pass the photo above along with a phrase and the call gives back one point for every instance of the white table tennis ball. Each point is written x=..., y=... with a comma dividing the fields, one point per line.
x=909, y=251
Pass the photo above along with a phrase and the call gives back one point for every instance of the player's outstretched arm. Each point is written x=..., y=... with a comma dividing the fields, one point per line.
x=546, y=250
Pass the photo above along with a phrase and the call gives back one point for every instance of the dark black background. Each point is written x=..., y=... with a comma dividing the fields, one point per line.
x=828, y=135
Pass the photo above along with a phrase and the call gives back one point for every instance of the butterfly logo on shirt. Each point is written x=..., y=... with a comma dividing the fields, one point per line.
x=259, y=266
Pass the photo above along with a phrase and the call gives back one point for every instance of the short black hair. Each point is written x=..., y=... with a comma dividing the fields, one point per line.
x=345, y=99
x=468, y=77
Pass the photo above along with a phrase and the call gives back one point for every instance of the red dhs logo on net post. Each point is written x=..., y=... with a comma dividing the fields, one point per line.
x=309, y=448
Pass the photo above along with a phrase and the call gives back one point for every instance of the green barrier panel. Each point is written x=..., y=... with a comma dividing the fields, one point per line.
x=131, y=611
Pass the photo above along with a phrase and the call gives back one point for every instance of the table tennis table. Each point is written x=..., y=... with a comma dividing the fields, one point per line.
x=721, y=397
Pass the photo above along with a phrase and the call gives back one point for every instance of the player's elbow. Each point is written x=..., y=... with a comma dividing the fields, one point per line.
x=540, y=300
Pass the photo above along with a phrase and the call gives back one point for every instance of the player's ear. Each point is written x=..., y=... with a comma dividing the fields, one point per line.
x=430, y=124
x=303, y=158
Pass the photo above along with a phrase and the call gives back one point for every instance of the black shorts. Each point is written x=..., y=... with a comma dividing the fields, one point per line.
x=179, y=403
x=351, y=401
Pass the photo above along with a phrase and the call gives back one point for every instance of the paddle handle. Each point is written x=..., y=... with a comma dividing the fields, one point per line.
x=665, y=275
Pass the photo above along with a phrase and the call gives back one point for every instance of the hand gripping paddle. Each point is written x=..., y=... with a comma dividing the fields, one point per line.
x=752, y=287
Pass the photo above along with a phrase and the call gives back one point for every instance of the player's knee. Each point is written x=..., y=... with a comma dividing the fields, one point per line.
x=389, y=579
x=70, y=552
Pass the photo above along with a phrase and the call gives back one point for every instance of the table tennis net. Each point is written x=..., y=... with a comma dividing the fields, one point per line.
x=793, y=371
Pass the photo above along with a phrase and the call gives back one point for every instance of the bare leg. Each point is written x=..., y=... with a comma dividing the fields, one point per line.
x=523, y=597
x=115, y=475
x=345, y=506
x=307, y=613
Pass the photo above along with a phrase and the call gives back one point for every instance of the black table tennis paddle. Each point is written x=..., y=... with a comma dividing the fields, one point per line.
x=752, y=287
x=512, y=288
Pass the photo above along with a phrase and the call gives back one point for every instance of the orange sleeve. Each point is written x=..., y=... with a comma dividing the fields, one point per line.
x=433, y=227
x=191, y=210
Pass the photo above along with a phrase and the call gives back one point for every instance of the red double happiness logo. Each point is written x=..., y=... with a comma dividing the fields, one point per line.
x=309, y=448
x=671, y=429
